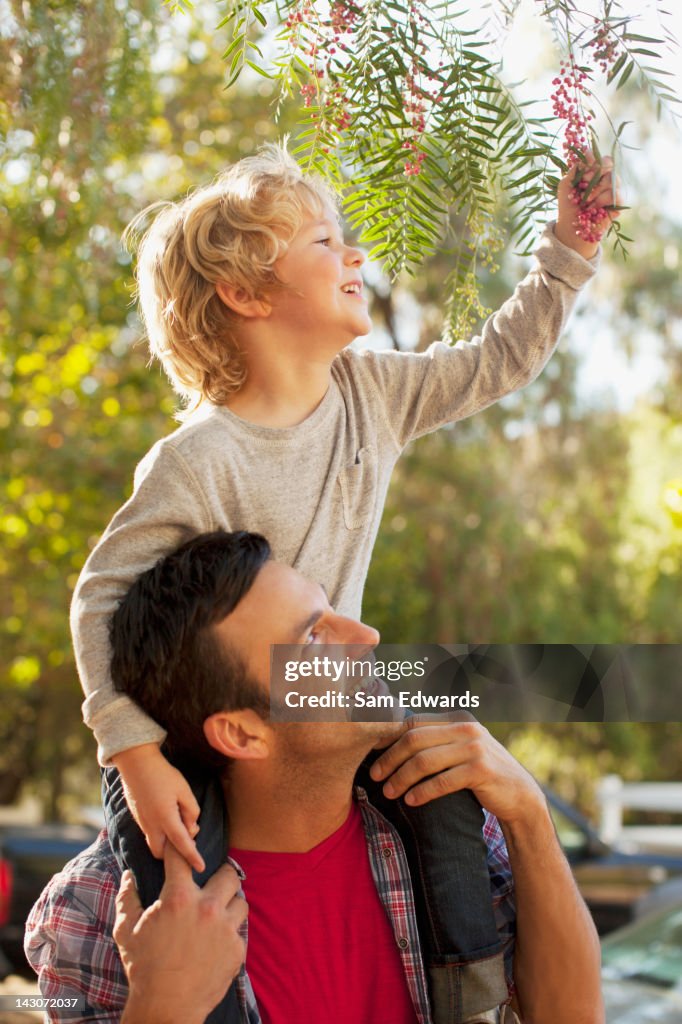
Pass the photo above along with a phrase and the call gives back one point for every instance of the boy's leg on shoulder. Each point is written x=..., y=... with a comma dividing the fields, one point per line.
x=130, y=846
x=131, y=851
x=447, y=853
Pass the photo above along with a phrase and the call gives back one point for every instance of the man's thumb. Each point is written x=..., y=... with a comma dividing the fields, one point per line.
x=128, y=907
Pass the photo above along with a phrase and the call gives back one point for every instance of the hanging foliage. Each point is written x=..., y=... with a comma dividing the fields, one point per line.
x=404, y=107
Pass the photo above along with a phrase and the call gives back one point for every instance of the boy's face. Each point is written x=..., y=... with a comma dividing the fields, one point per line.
x=324, y=300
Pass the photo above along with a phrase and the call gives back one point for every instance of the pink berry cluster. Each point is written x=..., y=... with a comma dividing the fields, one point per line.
x=604, y=46
x=308, y=92
x=319, y=39
x=298, y=17
x=343, y=15
x=590, y=221
x=567, y=104
x=419, y=97
x=415, y=106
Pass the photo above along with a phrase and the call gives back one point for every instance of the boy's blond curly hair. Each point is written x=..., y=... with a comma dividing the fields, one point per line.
x=231, y=230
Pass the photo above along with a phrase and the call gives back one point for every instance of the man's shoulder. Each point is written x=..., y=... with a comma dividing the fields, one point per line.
x=86, y=886
x=69, y=937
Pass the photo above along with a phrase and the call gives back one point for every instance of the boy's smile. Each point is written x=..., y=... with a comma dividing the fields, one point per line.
x=325, y=299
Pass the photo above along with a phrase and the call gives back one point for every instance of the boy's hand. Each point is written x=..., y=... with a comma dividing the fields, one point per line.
x=603, y=194
x=182, y=953
x=160, y=800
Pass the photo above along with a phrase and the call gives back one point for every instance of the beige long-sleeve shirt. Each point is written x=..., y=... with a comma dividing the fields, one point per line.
x=315, y=490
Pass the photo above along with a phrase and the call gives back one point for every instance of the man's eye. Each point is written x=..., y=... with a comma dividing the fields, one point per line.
x=312, y=638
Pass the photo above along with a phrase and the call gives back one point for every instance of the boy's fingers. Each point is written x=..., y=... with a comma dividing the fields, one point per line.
x=190, y=807
x=156, y=842
x=189, y=819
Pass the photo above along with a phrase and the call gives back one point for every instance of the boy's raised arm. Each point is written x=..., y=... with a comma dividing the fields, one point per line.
x=423, y=391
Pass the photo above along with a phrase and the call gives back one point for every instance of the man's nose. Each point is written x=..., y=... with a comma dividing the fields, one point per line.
x=351, y=631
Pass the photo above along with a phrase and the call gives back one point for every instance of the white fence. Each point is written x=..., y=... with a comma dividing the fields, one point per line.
x=616, y=796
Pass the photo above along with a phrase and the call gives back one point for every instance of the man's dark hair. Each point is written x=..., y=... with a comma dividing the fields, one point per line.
x=165, y=653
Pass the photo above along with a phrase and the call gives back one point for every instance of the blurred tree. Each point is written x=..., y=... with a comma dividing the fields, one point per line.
x=536, y=521
x=75, y=99
x=104, y=119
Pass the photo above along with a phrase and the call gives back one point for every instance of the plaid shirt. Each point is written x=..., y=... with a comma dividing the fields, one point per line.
x=69, y=931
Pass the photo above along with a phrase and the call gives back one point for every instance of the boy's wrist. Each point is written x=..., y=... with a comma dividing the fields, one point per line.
x=134, y=756
x=565, y=233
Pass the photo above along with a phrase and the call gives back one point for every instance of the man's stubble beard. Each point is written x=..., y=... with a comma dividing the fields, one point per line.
x=311, y=761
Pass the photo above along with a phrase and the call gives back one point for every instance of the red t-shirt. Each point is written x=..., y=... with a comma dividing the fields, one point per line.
x=321, y=947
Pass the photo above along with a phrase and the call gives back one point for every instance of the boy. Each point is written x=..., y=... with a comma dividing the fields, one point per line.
x=250, y=298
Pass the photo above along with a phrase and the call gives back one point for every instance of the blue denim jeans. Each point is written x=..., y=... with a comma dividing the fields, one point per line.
x=131, y=851
x=448, y=861
x=447, y=855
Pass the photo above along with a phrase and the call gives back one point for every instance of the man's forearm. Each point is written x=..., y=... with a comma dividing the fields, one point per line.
x=142, y=1011
x=557, y=960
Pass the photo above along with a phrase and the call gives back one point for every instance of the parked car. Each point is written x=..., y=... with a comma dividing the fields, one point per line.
x=612, y=881
x=29, y=856
x=642, y=968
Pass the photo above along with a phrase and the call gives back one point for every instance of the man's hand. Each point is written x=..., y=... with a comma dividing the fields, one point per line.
x=160, y=800
x=435, y=756
x=604, y=195
x=182, y=953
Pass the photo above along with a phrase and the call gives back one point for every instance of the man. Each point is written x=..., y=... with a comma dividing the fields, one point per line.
x=332, y=931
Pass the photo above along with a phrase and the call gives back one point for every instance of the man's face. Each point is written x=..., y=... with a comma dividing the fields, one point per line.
x=283, y=607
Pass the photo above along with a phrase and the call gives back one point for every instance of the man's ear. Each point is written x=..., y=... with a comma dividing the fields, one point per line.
x=241, y=302
x=241, y=735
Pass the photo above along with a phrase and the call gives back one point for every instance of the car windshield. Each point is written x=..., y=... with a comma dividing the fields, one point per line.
x=650, y=951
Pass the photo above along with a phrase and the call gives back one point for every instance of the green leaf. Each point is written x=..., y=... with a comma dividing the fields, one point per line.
x=615, y=68
x=626, y=74
x=632, y=37
x=236, y=42
x=259, y=70
x=595, y=147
